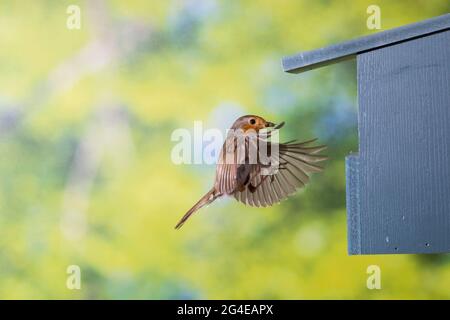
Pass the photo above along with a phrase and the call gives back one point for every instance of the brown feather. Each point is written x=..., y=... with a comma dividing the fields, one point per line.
x=297, y=162
x=209, y=197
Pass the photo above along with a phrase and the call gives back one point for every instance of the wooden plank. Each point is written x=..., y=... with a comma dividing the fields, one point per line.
x=352, y=200
x=317, y=58
x=399, y=184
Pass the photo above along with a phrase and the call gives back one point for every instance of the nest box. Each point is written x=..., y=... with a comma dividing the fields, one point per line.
x=398, y=184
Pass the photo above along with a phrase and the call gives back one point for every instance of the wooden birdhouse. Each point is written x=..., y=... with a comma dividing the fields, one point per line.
x=398, y=184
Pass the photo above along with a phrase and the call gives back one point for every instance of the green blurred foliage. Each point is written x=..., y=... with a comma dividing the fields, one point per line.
x=85, y=123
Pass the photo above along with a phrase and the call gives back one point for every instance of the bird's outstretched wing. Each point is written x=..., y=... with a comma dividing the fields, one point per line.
x=297, y=162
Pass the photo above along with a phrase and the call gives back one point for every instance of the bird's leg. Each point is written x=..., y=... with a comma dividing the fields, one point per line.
x=253, y=188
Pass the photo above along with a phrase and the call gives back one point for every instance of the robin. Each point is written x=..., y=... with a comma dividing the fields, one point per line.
x=248, y=178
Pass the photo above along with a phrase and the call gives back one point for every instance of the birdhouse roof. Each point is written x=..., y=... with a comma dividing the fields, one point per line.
x=308, y=60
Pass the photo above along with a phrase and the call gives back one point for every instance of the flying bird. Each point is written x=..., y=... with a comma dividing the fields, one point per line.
x=245, y=176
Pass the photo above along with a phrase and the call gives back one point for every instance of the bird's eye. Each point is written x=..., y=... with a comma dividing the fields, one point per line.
x=252, y=121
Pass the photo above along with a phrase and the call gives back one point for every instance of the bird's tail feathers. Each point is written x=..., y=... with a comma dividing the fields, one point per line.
x=209, y=197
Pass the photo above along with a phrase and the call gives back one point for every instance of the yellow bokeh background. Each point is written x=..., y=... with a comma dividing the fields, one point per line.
x=86, y=118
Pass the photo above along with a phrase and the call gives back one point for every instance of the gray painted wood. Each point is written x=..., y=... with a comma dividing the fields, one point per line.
x=317, y=58
x=398, y=187
x=352, y=201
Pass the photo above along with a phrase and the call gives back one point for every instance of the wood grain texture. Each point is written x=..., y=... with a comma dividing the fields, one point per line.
x=308, y=60
x=352, y=200
x=399, y=186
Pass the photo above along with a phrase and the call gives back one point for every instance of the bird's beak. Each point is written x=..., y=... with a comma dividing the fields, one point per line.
x=270, y=124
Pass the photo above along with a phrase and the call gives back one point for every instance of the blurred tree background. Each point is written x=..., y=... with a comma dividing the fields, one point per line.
x=87, y=179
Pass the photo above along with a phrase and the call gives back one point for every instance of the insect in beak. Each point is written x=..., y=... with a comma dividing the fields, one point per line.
x=280, y=125
x=275, y=126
